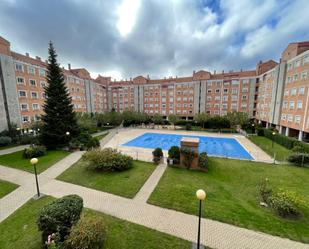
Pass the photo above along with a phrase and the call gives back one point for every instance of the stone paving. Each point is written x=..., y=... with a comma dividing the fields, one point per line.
x=214, y=234
x=13, y=149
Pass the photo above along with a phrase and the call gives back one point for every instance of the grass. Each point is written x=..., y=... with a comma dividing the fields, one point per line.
x=232, y=194
x=16, y=160
x=266, y=144
x=6, y=187
x=126, y=183
x=20, y=231
x=101, y=136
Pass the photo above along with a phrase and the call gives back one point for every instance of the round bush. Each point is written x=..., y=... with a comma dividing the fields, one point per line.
x=88, y=233
x=299, y=159
x=93, y=143
x=174, y=153
x=107, y=160
x=34, y=151
x=59, y=216
x=157, y=155
x=5, y=141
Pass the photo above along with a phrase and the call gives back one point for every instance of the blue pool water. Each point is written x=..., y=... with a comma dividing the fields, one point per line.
x=214, y=146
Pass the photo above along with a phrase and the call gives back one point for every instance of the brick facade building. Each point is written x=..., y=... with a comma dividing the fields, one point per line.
x=275, y=94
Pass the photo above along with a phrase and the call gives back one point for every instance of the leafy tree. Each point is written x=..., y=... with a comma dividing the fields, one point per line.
x=173, y=119
x=201, y=118
x=238, y=118
x=157, y=119
x=59, y=116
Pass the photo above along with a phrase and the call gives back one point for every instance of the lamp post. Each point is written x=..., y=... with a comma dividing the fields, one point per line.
x=200, y=195
x=272, y=144
x=253, y=128
x=34, y=161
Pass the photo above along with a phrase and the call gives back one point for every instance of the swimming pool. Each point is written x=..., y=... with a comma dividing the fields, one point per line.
x=214, y=146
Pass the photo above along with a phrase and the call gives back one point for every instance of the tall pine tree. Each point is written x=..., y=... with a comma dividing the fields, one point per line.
x=59, y=116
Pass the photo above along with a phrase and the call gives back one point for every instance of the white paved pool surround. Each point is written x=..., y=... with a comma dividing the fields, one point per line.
x=125, y=135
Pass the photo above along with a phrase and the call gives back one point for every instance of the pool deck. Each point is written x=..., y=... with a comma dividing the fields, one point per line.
x=125, y=135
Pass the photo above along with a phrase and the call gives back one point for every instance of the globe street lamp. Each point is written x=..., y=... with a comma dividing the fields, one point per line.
x=34, y=161
x=272, y=145
x=200, y=195
x=67, y=133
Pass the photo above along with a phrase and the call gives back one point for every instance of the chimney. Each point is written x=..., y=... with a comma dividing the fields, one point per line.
x=214, y=71
x=38, y=58
x=222, y=71
x=148, y=76
x=69, y=66
x=27, y=54
x=193, y=71
x=241, y=70
x=130, y=78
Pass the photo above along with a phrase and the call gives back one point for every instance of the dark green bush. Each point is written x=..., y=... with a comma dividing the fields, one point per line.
x=93, y=143
x=285, y=203
x=4, y=141
x=188, y=127
x=34, y=151
x=107, y=160
x=285, y=141
x=188, y=155
x=299, y=159
x=157, y=155
x=59, y=216
x=88, y=233
x=174, y=153
x=28, y=139
x=203, y=160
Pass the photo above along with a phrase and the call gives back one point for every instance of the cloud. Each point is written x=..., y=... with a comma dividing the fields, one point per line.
x=173, y=37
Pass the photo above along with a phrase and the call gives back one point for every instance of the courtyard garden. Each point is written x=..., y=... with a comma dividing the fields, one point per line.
x=125, y=181
x=233, y=197
x=20, y=230
x=6, y=188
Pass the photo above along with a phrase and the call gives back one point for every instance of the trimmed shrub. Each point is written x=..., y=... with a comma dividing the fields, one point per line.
x=93, y=143
x=203, y=160
x=88, y=233
x=299, y=159
x=74, y=144
x=285, y=203
x=107, y=159
x=34, y=151
x=157, y=155
x=174, y=152
x=286, y=142
x=188, y=127
x=4, y=141
x=59, y=216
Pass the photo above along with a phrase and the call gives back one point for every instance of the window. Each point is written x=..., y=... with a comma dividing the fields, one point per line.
x=289, y=79
x=217, y=90
x=43, y=84
x=306, y=59
x=24, y=107
x=42, y=72
x=295, y=78
x=224, y=106
x=292, y=104
x=225, y=90
x=19, y=67
x=297, y=63
x=297, y=119
x=283, y=117
x=34, y=95
x=290, y=117
x=225, y=98
x=235, y=82
x=244, y=97
x=217, y=98
x=32, y=83
x=304, y=75
x=25, y=119
x=246, y=81
x=300, y=104
x=285, y=104
x=234, y=97
x=301, y=90
x=286, y=93
x=293, y=91
x=209, y=91
x=31, y=70
x=234, y=91
x=245, y=90
x=43, y=95
x=20, y=80
x=290, y=66
x=35, y=106
x=22, y=93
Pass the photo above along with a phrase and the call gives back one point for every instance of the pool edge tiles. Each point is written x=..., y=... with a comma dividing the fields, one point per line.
x=223, y=147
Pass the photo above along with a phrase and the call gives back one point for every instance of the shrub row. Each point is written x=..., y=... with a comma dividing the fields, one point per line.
x=34, y=151
x=4, y=141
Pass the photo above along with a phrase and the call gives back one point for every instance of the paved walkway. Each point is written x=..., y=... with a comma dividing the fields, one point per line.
x=214, y=234
x=13, y=149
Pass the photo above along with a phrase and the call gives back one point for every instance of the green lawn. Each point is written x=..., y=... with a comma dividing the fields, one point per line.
x=20, y=231
x=16, y=160
x=126, y=183
x=232, y=194
x=266, y=144
x=6, y=187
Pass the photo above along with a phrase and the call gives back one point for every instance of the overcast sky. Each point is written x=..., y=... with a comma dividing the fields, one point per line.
x=126, y=38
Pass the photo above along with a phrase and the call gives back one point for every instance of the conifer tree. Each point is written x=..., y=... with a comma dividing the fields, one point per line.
x=59, y=116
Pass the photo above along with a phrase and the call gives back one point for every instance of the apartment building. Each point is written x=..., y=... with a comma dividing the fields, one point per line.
x=275, y=94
